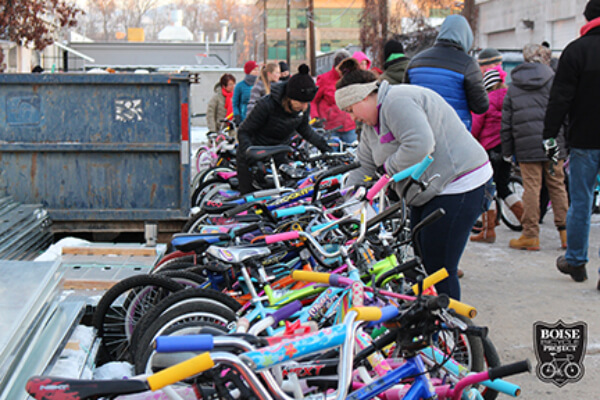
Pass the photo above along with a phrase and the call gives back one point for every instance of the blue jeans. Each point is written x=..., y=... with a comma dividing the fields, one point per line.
x=443, y=242
x=584, y=166
x=347, y=137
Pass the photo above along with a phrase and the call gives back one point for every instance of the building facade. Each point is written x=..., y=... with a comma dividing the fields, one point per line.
x=511, y=24
x=337, y=25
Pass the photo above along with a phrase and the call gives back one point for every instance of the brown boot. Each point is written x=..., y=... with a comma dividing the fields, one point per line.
x=487, y=234
x=525, y=243
x=517, y=209
x=563, y=237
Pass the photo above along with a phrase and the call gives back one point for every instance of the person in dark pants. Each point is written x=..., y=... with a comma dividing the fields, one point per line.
x=576, y=92
x=275, y=118
x=403, y=124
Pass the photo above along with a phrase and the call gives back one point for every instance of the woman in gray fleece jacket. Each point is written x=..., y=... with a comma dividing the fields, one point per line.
x=402, y=125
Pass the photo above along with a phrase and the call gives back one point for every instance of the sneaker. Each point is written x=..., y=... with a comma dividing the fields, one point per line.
x=577, y=272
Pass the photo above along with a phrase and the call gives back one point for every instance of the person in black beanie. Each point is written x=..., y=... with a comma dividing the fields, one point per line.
x=576, y=92
x=275, y=118
x=285, y=71
x=395, y=62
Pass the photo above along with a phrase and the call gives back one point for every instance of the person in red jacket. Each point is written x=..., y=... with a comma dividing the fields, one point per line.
x=323, y=106
x=486, y=129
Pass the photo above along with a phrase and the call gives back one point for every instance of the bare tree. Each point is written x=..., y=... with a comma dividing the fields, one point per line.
x=34, y=22
x=104, y=11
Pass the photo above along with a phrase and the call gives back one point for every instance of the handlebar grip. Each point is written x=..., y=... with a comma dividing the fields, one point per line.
x=286, y=311
x=279, y=237
x=341, y=169
x=438, y=302
x=510, y=369
x=481, y=331
x=288, y=212
x=387, y=313
x=309, y=276
x=377, y=187
x=246, y=229
x=367, y=313
x=431, y=280
x=463, y=309
x=318, y=227
x=173, y=344
x=178, y=372
x=423, y=165
x=238, y=209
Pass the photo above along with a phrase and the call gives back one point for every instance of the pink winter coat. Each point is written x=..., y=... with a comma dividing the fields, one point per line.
x=486, y=127
x=323, y=105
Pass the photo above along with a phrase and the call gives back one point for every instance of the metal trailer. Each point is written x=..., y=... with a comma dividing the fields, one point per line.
x=101, y=152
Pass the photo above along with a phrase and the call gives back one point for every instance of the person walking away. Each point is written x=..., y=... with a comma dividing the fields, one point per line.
x=401, y=125
x=395, y=62
x=576, y=93
x=521, y=134
x=220, y=106
x=285, y=71
x=241, y=94
x=486, y=129
x=447, y=69
x=268, y=74
x=323, y=106
x=275, y=119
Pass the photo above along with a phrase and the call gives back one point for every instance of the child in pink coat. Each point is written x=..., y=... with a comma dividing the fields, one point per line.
x=486, y=129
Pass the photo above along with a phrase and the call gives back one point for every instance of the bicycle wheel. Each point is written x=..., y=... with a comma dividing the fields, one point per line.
x=123, y=305
x=183, y=315
x=204, y=159
x=492, y=360
x=201, y=191
x=209, y=297
x=515, y=184
x=468, y=349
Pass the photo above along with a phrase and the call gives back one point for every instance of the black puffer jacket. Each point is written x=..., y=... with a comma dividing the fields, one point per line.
x=523, y=113
x=269, y=124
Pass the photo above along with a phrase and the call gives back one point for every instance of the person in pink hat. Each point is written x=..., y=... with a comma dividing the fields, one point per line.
x=363, y=61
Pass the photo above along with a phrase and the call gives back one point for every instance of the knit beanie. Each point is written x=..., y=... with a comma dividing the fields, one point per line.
x=340, y=56
x=491, y=78
x=249, y=66
x=592, y=10
x=535, y=53
x=392, y=47
x=301, y=86
x=283, y=66
x=489, y=56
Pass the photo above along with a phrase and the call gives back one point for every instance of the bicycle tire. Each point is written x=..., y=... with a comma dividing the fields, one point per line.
x=176, y=264
x=185, y=277
x=177, y=299
x=197, y=197
x=472, y=353
x=515, y=183
x=193, y=222
x=492, y=360
x=111, y=319
x=142, y=362
x=183, y=314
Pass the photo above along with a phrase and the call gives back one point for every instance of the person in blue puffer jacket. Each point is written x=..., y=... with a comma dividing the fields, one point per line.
x=447, y=69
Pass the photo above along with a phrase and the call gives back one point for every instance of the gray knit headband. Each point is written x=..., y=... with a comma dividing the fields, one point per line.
x=352, y=94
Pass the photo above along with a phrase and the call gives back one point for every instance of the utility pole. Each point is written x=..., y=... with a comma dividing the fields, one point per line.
x=288, y=49
x=311, y=38
x=266, y=47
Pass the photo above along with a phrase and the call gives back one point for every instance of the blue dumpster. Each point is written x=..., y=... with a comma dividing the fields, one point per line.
x=104, y=152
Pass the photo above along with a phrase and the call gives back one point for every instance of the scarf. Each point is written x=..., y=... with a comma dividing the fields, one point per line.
x=589, y=26
x=228, y=102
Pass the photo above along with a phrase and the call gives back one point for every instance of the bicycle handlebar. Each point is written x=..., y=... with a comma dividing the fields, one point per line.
x=174, y=344
x=510, y=369
x=279, y=237
x=181, y=371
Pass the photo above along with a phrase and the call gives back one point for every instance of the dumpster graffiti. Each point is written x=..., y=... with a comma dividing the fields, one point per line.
x=128, y=110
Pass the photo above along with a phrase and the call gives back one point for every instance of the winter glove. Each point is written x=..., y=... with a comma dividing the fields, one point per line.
x=551, y=148
x=237, y=119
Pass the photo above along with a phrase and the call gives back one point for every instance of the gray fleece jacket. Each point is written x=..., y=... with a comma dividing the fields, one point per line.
x=413, y=122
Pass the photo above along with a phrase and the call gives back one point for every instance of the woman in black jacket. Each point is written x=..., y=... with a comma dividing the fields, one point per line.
x=275, y=118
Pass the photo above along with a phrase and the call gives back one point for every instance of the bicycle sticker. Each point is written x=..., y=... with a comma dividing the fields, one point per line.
x=560, y=349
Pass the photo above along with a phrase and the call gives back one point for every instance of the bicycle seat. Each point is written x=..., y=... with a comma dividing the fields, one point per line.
x=186, y=242
x=217, y=207
x=48, y=388
x=212, y=135
x=236, y=255
x=260, y=153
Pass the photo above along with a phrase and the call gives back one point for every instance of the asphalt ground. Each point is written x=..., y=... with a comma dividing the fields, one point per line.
x=513, y=289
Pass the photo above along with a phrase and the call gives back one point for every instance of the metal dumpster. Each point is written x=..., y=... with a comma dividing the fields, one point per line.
x=103, y=152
